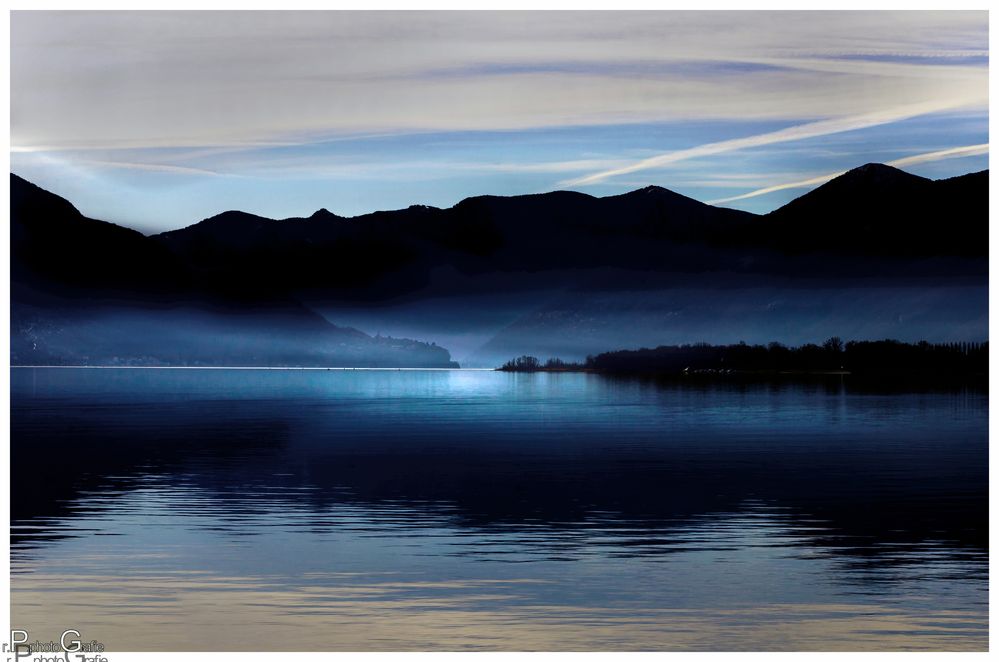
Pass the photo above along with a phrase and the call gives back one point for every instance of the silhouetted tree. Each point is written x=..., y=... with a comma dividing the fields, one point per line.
x=877, y=357
x=522, y=364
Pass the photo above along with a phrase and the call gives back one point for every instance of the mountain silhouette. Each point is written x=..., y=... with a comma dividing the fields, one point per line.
x=84, y=291
x=253, y=272
x=880, y=210
x=57, y=249
x=874, y=211
x=484, y=233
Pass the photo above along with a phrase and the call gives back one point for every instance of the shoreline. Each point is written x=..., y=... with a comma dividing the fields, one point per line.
x=239, y=367
x=892, y=381
x=691, y=373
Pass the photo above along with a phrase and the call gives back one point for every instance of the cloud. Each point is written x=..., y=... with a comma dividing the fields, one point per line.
x=153, y=167
x=952, y=153
x=576, y=165
x=799, y=132
x=100, y=80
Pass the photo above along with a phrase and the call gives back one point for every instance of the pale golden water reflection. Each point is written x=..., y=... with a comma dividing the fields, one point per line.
x=248, y=614
x=488, y=511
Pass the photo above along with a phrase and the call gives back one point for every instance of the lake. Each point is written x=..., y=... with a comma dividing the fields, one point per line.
x=185, y=509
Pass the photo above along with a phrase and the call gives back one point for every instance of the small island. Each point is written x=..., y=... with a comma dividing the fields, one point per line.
x=875, y=358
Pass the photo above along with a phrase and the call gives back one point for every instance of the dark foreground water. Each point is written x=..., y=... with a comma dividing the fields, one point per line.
x=355, y=510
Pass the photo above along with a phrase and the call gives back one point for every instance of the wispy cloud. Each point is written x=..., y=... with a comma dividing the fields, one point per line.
x=952, y=153
x=577, y=165
x=100, y=80
x=153, y=167
x=799, y=132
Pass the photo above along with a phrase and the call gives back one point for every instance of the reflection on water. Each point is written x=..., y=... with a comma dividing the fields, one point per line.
x=331, y=510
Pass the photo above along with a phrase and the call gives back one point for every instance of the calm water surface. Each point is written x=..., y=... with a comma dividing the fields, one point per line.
x=447, y=510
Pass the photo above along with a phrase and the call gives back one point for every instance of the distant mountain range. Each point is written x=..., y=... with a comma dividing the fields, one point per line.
x=257, y=279
x=86, y=292
x=872, y=211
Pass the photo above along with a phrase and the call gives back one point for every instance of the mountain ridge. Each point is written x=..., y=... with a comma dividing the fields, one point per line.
x=323, y=212
x=881, y=209
x=543, y=230
x=84, y=291
x=874, y=222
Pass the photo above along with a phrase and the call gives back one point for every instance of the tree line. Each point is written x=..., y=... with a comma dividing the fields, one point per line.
x=868, y=357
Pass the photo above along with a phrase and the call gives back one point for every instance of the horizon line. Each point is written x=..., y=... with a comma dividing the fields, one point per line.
x=238, y=367
x=712, y=203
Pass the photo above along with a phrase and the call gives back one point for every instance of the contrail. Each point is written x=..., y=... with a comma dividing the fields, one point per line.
x=799, y=132
x=154, y=167
x=952, y=153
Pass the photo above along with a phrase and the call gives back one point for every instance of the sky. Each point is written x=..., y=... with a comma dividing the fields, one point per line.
x=156, y=120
